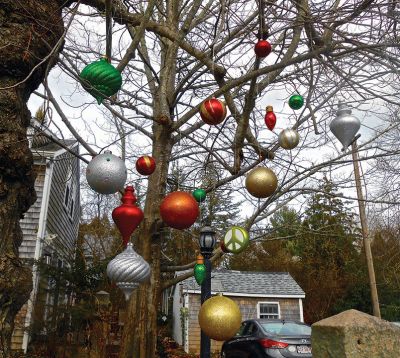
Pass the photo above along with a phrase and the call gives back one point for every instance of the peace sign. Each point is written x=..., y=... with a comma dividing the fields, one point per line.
x=236, y=239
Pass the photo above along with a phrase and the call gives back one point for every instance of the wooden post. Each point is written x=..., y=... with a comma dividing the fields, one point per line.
x=364, y=232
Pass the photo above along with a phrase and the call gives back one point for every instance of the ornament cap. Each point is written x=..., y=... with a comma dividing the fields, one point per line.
x=343, y=108
x=270, y=108
x=200, y=259
x=129, y=196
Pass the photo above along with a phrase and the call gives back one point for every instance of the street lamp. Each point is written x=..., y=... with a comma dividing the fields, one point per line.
x=207, y=243
x=345, y=126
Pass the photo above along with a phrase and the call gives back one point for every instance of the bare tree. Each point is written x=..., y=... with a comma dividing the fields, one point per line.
x=175, y=54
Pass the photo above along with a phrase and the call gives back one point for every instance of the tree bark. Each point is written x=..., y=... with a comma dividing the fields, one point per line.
x=141, y=316
x=29, y=30
x=140, y=329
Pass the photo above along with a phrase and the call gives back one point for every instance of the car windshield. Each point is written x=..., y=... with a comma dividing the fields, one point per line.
x=287, y=328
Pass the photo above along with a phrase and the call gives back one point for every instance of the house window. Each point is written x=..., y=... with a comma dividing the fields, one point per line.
x=66, y=197
x=70, y=191
x=270, y=310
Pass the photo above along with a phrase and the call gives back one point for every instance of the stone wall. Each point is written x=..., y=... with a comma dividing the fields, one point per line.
x=354, y=334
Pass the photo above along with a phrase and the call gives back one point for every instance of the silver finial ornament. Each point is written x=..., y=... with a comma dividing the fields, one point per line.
x=288, y=138
x=345, y=126
x=106, y=173
x=128, y=269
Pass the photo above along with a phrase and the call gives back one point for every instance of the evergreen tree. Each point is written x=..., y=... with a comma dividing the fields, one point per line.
x=275, y=251
x=328, y=254
x=321, y=251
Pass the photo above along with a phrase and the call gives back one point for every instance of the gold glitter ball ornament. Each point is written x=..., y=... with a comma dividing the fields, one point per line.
x=220, y=318
x=261, y=182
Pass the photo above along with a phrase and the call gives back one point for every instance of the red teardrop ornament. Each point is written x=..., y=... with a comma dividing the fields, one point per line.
x=127, y=216
x=270, y=118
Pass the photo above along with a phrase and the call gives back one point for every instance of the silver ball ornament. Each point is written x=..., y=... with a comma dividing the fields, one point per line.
x=344, y=126
x=106, y=173
x=288, y=138
x=128, y=269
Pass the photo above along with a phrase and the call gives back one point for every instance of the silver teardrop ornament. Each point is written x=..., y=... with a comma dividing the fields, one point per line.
x=345, y=126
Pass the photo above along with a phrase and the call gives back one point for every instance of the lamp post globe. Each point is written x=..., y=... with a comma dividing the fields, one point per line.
x=207, y=240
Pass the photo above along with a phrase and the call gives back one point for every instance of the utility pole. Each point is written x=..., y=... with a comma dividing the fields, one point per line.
x=365, y=233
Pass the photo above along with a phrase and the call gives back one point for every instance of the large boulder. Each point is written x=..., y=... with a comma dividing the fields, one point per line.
x=355, y=334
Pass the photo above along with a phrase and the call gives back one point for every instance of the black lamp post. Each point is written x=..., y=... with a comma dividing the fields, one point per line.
x=207, y=243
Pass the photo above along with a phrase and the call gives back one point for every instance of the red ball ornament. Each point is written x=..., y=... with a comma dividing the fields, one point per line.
x=145, y=165
x=179, y=210
x=270, y=118
x=127, y=216
x=262, y=48
x=213, y=111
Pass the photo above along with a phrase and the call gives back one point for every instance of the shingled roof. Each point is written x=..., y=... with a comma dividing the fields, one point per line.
x=249, y=283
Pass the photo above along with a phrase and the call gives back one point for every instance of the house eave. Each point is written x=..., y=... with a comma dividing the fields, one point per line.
x=243, y=294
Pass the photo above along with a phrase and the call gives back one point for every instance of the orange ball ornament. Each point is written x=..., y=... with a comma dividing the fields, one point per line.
x=179, y=210
x=213, y=111
x=145, y=165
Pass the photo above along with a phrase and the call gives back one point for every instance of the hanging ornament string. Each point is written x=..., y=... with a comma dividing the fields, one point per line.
x=108, y=30
x=262, y=30
x=218, y=28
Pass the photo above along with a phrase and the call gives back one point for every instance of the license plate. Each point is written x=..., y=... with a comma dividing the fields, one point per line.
x=304, y=349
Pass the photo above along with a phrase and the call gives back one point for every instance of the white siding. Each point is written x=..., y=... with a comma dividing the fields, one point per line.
x=30, y=222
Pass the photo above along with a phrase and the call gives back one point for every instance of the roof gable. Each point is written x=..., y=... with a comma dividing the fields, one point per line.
x=249, y=283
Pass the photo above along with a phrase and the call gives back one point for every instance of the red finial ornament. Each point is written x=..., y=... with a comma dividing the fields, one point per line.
x=270, y=118
x=127, y=216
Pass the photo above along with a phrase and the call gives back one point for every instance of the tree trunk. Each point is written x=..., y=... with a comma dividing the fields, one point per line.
x=29, y=29
x=140, y=330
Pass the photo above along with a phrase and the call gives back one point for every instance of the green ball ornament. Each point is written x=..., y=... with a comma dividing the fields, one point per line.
x=200, y=273
x=101, y=79
x=296, y=101
x=199, y=195
x=236, y=239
